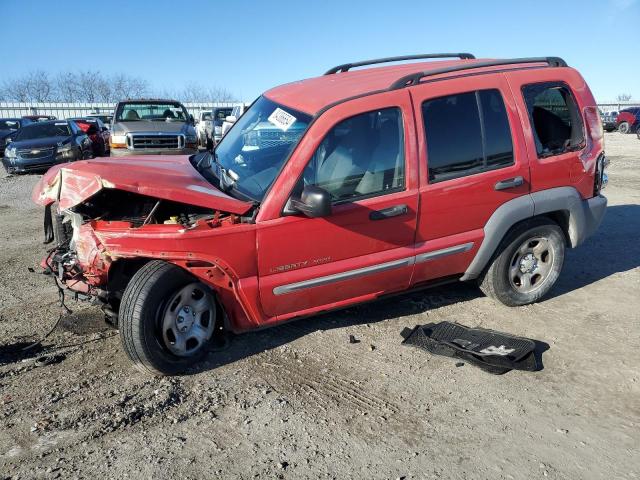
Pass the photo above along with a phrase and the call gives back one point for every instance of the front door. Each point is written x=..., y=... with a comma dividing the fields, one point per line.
x=365, y=246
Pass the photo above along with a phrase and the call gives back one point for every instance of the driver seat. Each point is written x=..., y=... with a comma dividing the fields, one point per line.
x=132, y=115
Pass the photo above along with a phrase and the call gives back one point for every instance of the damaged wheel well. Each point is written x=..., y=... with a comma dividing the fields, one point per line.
x=120, y=274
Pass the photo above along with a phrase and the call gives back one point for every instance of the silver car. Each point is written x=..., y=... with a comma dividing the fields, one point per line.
x=152, y=127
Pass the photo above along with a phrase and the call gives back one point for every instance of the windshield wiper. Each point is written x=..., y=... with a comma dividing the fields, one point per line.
x=227, y=180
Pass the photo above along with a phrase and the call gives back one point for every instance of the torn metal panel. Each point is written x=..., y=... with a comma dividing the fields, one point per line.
x=168, y=178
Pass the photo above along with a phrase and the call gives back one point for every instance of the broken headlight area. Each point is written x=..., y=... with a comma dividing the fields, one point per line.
x=87, y=235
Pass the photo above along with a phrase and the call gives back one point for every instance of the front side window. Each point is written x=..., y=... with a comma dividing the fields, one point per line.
x=251, y=154
x=466, y=133
x=555, y=118
x=360, y=157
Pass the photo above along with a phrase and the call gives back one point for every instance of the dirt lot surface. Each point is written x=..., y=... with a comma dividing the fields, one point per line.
x=300, y=401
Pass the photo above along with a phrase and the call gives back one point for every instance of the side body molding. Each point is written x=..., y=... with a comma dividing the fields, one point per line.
x=584, y=217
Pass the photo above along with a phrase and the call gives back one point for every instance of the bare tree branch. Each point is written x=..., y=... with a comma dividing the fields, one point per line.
x=94, y=86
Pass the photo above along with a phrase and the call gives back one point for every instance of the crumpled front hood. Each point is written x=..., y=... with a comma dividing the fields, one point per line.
x=164, y=177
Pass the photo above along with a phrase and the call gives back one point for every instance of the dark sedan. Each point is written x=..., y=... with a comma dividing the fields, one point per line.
x=609, y=121
x=8, y=128
x=40, y=145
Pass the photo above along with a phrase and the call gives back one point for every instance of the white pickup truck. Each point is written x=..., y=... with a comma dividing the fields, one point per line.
x=232, y=117
x=204, y=127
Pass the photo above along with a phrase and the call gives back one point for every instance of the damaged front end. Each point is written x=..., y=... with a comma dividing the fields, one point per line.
x=103, y=231
x=82, y=258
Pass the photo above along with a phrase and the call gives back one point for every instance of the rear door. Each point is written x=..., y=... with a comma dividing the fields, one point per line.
x=473, y=158
x=365, y=247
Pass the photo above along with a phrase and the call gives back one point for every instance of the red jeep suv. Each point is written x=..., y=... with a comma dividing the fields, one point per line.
x=332, y=191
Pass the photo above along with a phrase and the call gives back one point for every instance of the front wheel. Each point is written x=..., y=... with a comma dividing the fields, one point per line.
x=528, y=263
x=624, y=127
x=167, y=319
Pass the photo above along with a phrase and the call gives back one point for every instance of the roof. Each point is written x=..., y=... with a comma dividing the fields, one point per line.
x=313, y=94
x=148, y=100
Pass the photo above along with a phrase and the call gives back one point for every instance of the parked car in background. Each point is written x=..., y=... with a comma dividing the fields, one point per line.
x=152, y=127
x=105, y=118
x=219, y=114
x=39, y=118
x=40, y=145
x=360, y=189
x=236, y=113
x=8, y=129
x=204, y=128
x=628, y=120
x=609, y=121
x=98, y=133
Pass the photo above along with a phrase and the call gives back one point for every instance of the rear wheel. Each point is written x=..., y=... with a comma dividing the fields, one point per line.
x=167, y=319
x=624, y=127
x=528, y=263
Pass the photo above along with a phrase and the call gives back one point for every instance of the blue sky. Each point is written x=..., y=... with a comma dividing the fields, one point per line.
x=249, y=46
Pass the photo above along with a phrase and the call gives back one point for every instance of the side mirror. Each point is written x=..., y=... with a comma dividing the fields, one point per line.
x=230, y=119
x=191, y=119
x=314, y=202
x=104, y=129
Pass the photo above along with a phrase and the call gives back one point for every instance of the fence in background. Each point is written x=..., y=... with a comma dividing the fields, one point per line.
x=62, y=110
x=65, y=110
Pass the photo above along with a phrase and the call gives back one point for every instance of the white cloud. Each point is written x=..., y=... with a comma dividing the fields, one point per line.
x=622, y=4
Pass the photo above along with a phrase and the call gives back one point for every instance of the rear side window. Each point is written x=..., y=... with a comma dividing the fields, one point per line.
x=555, y=118
x=466, y=133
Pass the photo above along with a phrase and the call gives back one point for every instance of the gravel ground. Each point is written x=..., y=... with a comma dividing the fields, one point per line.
x=300, y=401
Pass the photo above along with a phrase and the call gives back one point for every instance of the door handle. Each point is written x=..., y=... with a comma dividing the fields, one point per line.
x=388, y=212
x=509, y=183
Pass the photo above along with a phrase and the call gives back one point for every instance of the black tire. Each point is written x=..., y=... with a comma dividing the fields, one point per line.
x=144, y=302
x=624, y=127
x=497, y=281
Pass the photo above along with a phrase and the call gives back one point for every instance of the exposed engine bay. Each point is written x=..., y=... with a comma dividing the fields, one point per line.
x=81, y=259
x=139, y=210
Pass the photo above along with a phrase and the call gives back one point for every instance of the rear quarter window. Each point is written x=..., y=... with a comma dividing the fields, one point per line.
x=555, y=118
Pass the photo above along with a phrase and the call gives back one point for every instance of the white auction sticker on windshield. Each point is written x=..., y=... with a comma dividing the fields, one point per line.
x=281, y=119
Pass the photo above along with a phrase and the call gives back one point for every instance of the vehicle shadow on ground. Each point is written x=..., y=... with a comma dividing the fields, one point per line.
x=614, y=248
x=252, y=343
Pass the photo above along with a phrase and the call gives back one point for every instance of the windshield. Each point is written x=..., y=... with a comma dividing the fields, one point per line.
x=9, y=124
x=43, y=130
x=151, y=112
x=220, y=114
x=251, y=154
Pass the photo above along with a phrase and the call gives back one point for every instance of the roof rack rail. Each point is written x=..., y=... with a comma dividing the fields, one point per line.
x=414, y=78
x=346, y=66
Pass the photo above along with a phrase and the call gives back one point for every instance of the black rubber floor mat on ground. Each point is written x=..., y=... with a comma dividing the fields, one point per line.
x=492, y=351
